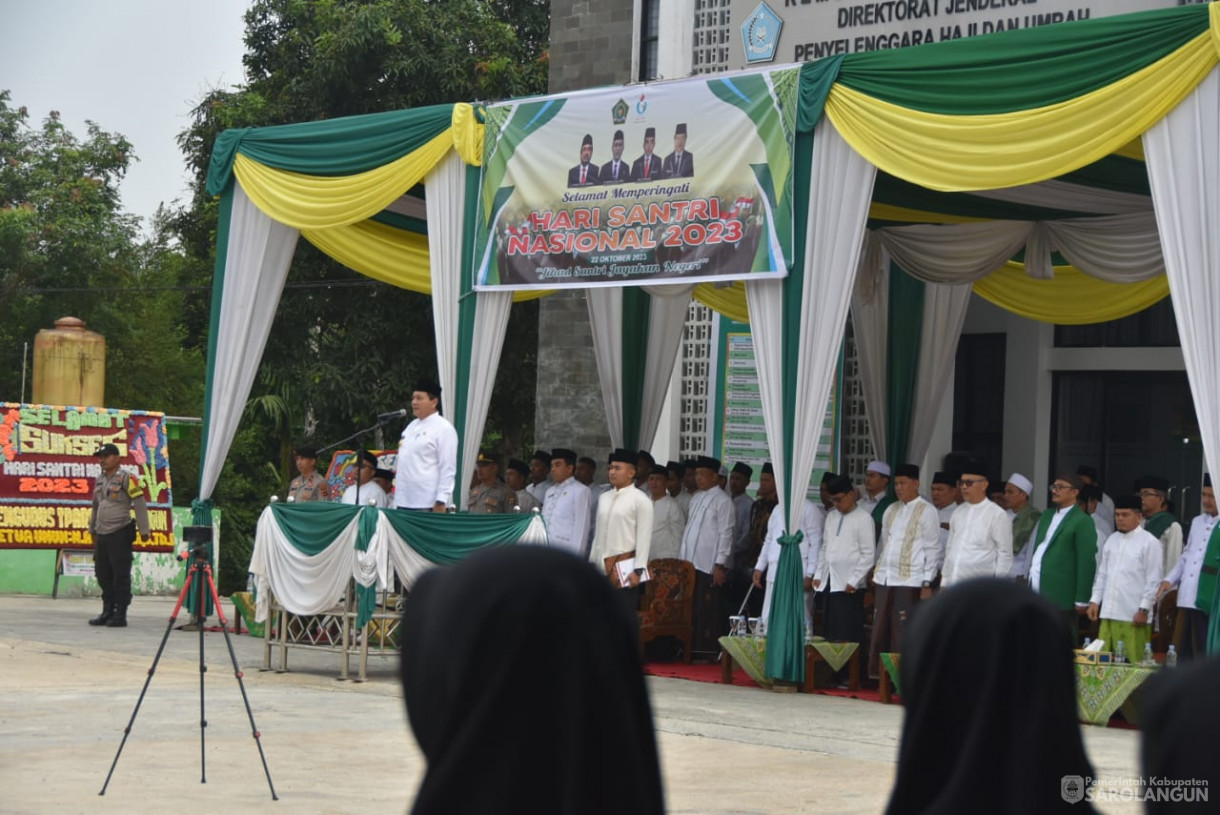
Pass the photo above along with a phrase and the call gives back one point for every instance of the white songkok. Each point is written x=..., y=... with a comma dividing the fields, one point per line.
x=1022, y=483
x=879, y=467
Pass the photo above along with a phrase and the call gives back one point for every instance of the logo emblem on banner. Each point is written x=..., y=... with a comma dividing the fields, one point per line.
x=619, y=111
x=1072, y=788
x=760, y=34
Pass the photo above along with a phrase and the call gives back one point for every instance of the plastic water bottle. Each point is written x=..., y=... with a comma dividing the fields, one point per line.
x=1087, y=641
x=1171, y=658
x=1120, y=653
x=1148, y=653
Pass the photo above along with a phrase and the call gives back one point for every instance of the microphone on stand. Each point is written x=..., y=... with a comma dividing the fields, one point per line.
x=393, y=414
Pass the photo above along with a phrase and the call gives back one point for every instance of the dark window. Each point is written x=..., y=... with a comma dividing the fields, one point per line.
x=1129, y=424
x=1155, y=326
x=978, y=397
x=649, y=39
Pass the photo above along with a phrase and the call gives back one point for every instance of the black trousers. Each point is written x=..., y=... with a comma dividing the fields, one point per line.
x=844, y=616
x=1190, y=633
x=895, y=605
x=112, y=555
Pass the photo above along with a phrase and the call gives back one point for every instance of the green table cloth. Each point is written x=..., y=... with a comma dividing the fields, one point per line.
x=751, y=654
x=834, y=654
x=1103, y=689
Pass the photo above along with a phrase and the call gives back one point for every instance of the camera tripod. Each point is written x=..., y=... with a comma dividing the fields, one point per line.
x=199, y=575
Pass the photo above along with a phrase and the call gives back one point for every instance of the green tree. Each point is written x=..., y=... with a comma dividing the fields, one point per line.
x=67, y=248
x=343, y=349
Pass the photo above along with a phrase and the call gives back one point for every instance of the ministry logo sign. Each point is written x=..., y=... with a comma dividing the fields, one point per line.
x=760, y=34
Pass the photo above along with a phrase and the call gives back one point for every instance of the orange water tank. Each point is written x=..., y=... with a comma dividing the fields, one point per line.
x=69, y=365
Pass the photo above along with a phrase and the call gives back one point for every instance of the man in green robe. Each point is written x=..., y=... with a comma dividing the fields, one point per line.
x=1065, y=550
x=1024, y=522
x=1159, y=521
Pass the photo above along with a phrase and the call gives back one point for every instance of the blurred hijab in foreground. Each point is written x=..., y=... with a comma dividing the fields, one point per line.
x=524, y=688
x=1181, y=723
x=990, y=694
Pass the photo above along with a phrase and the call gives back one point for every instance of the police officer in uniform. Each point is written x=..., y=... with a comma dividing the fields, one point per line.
x=490, y=496
x=113, y=531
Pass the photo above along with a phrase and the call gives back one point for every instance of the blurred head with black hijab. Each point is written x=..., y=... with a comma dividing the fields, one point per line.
x=1181, y=722
x=523, y=684
x=990, y=695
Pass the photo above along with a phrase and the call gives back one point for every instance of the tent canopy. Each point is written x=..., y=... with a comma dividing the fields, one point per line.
x=1074, y=163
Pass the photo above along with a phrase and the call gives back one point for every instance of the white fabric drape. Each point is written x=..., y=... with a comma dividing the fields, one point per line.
x=1069, y=197
x=954, y=253
x=666, y=321
x=445, y=197
x=303, y=584
x=870, y=324
x=765, y=300
x=1115, y=248
x=490, y=323
x=944, y=314
x=840, y=189
x=606, y=322
x=1183, y=157
x=311, y=584
x=256, y=265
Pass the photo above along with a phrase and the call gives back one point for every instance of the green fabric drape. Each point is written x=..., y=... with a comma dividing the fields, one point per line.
x=637, y=304
x=467, y=311
x=353, y=144
x=218, y=287
x=366, y=596
x=816, y=79
x=313, y=525
x=785, y=627
x=445, y=539
x=901, y=362
x=975, y=75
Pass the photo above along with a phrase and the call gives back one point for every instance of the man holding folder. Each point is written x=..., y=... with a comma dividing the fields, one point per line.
x=624, y=525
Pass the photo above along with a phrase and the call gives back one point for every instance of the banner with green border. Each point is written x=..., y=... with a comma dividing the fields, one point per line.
x=676, y=182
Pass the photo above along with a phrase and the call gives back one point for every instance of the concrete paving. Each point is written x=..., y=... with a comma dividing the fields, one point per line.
x=67, y=691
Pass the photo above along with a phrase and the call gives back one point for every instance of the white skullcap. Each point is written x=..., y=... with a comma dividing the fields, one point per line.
x=879, y=467
x=1022, y=483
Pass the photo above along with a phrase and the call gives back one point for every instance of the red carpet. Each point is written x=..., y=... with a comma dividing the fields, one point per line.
x=711, y=673
x=695, y=673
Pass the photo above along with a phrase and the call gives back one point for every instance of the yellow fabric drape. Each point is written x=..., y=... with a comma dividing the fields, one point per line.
x=1213, y=17
x=958, y=153
x=1071, y=298
x=467, y=134
x=729, y=300
x=375, y=250
x=385, y=253
x=1133, y=149
x=319, y=202
x=890, y=212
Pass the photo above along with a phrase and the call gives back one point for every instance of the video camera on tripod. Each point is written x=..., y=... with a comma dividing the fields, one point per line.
x=199, y=540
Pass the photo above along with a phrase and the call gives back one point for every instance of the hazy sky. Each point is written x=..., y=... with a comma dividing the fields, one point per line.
x=134, y=67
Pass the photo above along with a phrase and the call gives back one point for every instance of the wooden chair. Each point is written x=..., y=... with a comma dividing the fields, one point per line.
x=671, y=612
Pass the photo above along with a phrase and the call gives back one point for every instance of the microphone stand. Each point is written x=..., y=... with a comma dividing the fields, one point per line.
x=349, y=599
x=360, y=434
